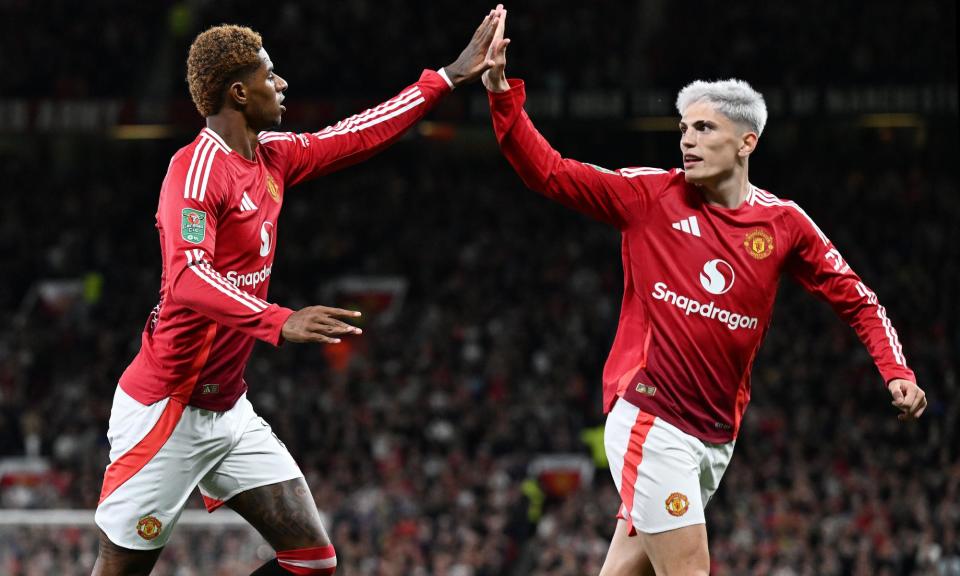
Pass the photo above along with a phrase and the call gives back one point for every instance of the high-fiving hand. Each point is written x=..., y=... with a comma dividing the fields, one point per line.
x=474, y=59
x=494, y=79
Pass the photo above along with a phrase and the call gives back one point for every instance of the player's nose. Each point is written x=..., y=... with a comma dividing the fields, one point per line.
x=281, y=84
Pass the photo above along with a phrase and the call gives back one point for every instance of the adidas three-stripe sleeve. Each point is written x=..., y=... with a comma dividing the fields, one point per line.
x=818, y=266
x=354, y=139
x=700, y=280
x=605, y=195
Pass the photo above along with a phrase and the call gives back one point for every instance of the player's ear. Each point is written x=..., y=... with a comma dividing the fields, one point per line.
x=748, y=143
x=237, y=94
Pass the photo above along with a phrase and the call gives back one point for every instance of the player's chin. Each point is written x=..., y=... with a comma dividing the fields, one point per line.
x=700, y=175
x=277, y=117
x=693, y=176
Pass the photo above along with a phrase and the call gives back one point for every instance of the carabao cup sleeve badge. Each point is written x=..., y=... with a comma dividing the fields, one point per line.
x=193, y=225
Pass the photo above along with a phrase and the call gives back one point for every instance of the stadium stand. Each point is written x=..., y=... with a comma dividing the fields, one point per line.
x=484, y=354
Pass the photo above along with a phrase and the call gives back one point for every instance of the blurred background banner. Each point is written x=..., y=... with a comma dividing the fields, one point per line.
x=891, y=105
x=462, y=434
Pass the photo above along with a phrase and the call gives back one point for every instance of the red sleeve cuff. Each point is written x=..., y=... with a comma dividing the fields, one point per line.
x=432, y=80
x=517, y=93
x=506, y=106
x=903, y=374
x=277, y=318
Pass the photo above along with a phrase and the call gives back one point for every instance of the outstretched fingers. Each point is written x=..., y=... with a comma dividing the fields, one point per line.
x=489, y=31
x=501, y=51
x=337, y=311
x=482, y=28
x=333, y=326
x=326, y=328
x=494, y=78
x=496, y=43
x=486, y=29
x=319, y=324
x=475, y=59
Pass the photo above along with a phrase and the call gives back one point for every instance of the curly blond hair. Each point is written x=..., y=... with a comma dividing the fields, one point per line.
x=218, y=56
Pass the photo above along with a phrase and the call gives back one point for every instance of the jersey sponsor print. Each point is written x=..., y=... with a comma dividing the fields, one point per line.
x=699, y=280
x=218, y=216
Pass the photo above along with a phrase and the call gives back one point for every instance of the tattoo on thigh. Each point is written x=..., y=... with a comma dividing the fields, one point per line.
x=113, y=559
x=284, y=513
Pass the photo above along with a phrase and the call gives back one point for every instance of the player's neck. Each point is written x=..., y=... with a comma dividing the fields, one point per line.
x=728, y=192
x=235, y=131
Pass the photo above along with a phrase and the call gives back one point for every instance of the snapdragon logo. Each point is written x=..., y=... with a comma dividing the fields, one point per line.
x=251, y=279
x=265, y=230
x=717, y=277
x=732, y=320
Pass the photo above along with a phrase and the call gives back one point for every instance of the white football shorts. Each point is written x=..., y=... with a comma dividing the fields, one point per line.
x=161, y=452
x=665, y=476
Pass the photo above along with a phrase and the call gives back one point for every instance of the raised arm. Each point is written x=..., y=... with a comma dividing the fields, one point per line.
x=818, y=266
x=609, y=196
x=362, y=135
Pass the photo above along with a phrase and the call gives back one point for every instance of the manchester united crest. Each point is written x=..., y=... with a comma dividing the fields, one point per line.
x=149, y=527
x=272, y=188
x=677, y=504
x=758, y=243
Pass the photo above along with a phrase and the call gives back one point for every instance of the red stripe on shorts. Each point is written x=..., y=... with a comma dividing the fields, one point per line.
x=212, y=503
x=134, y=459
x=632, y=459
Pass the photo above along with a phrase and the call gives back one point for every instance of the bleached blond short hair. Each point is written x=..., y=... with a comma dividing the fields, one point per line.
x=733, y=98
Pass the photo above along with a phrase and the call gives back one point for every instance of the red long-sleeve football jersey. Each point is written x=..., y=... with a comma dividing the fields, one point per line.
x=699, y=279
x=217, y=217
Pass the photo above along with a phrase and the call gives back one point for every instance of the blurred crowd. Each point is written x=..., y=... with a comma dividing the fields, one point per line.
x=417, y=439
x=364, y=47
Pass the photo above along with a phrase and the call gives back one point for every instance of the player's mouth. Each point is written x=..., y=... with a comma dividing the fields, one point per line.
x=280, y=103
x=691, y=160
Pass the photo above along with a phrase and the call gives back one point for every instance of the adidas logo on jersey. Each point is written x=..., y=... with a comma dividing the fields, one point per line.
x=246, y=204
x=688, y=225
